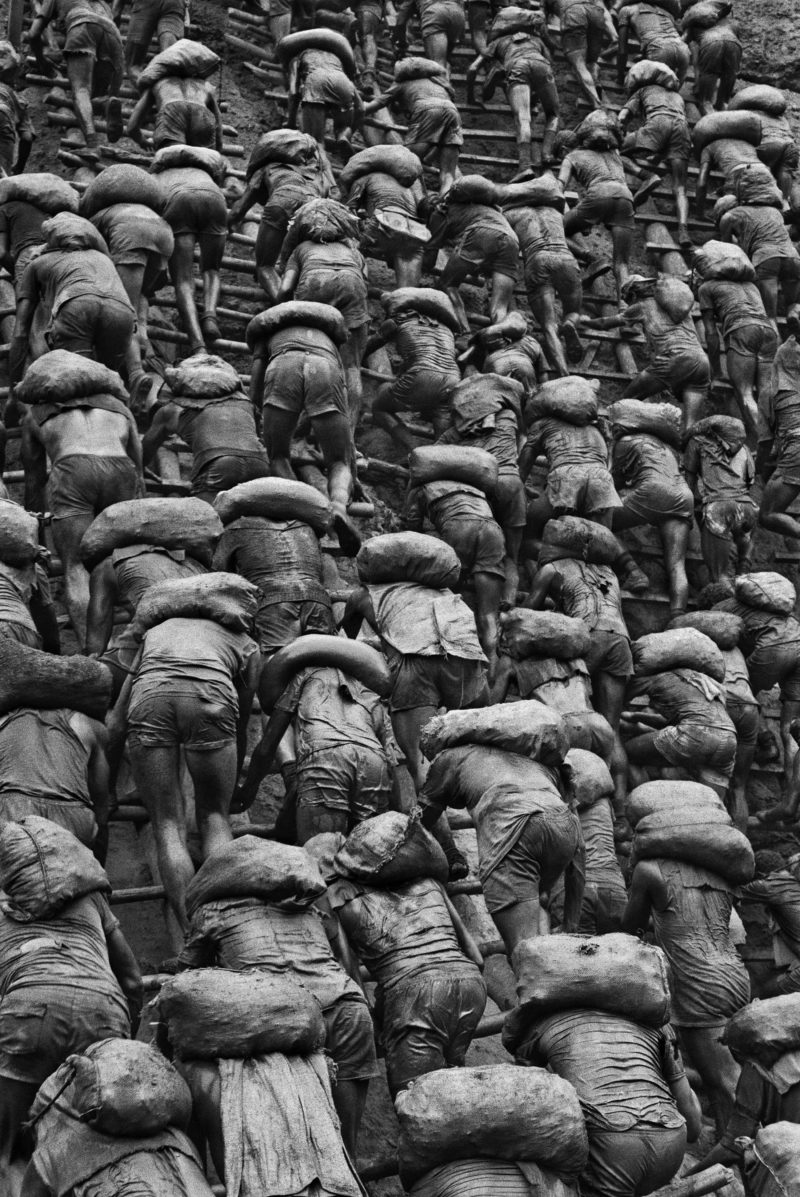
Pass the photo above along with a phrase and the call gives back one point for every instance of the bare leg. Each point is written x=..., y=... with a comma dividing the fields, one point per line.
x=519, y=100
x=335, y=438
x=586, y=82
x=350, y=1098
x=513, y=545
x=622, y=242
x=407, y=726
x=313, y=120
x=132, y=278
x=408, y=267
x=501, y=296
x=769, y=293
x=679, y=168
x=775, y=502
x=213, y=776
x=80, y=72
x=742, y=370
x=518, y=922
x=448, y=167
x=212, y=248
x=436, y=48
x=181, y=271
x=675, y=541
x=67, y=536
x=609, y=699
x=717, y=1067
x=543, y=306
x=488, y=593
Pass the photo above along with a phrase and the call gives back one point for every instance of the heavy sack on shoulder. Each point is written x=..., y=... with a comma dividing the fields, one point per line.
x=723, y=627
x=528, y=728
x=544, y=192
x=395, y=160
x=591, y=779
x=201, y=376
x=427, y=301
x=408, y=557
x=599, y=130
x=631, y=417
x=213, y=1012
x=43, y=868
x=772, y=1161
x=121, y=183
x=497, y=1110
x=415, y=67
x=765, y=1030
x=44, y=681
x=573, y=399
x=354, y=658
x=289, y=147
x=303, y=312
x=19, y=534
x=49, y=193
x=741, y=126
x=473, y=189
x=646, y=73
x=705, y=14
x=168, y=523
x=251, y=867
x=501, y=1178
x=615, y=973
x=453, y=463
x=128, y=1089
x=582, y=539
x=186, y=59
x=722, y=260
x=322, y=221
x=525, y=633
x=679, y=648
x=512, y=19
x=766, y=591
x=754, y=183
x=676, y=298
x=60, y=375
x=193, y=157
x=655, y=797
x=66, y=231
x=275, y=499
x=758, y=97
x=316, y=39
x=224, y=598
x=704, y=837
x=391, y=849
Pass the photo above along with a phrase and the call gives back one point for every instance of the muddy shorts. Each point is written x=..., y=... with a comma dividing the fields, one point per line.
x=776, y=664
x=85, y=485
x=638, y=1160
x=224, y=472
x=671, y=51
x=490, y=251
x=429, y=1021
x=8, y=141
x=614, y=211
x=717, y=57
x=581, y=490
x=729, y=519
x=583, y=27
x=744, y=717
x=602, y=908
x=654, y=502
x=369, y=15
x=453, y=682
x=96, y=326
x=609, y=652
x=676, y=371
x=537, y=74
x=753, y=340
x=345, y=290
x=203, y=213
x=281, y=623
x=424, y=391
x=40, y=1025
x=141, y=243
x=591, y=731
x=787, y=466
x=509, y=502
x=151, y=16
x=784, y=270
x=296, y=381
x=664, y=136
x=559, y=270
x=479, y=544
x=705, y=753
x=443, y=16
x=349, y=779
x=350, y=1038
x=437, y=123
x=104, y=44
x=548, y=843
x=76, y=817
x=184, y=123
x=331, y=88
x=20, y=634
x=161, y=718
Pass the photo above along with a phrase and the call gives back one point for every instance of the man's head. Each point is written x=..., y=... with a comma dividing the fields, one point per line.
x=10, y=63
x=768, y=862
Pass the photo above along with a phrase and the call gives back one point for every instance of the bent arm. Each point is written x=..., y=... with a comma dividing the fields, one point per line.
x=126, y=969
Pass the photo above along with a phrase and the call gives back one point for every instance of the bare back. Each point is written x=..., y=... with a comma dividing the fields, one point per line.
x=87, y=432
x=173, y=90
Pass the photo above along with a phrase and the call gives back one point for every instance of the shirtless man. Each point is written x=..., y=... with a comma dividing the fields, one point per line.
x=659, y=39
x=164, y=19
x=717, y=56
x=76, y=282
x=16, y=130
x=94, y=57
x=663, y=136
x=764, y=237
x=321, y=88
x=724, y=155
x=720, y=470
x=423, y=94
x=95, y=460
x=442, y=25
x=778, y=455
x=186, y=113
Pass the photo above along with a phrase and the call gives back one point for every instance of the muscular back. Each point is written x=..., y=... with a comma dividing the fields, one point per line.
x=87, y=432
x=173, y=90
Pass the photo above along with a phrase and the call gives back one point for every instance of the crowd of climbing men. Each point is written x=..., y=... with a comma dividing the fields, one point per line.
x=479, y=786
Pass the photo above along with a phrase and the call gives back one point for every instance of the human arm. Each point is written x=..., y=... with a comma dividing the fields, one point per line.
x=379, y=102
x=44, y=16
x=279, y=723
x=702, y=184
x=574, y=883
x=622, y=48
x=547, y=583
x=646, y=890
x=465, y=941
x=217, y=114
x=246, y=685
x=472, y=75
x=414, y=509
x=34, y=462
x=164, y=424
x=565, y=173
x=382, y=337
x=245, y=201
x=97, y=779
x=126, y=969
x=141, y=108
x=291, y=277
x=24, y=147
x=399, y=32
x=257, y=375
x=358, y=609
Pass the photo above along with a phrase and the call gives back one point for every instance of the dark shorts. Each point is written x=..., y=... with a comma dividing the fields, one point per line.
x=583, y=28
x=639, y=1160
x=776, y=664
x=787, y=467
x=614, y=211
x=452, y=682
x=141, y=243
x=729, y=519
x=591, y=731
x=350, y=1039
x=151, y=16
x=602, y=908
x=224, y=472
x=538, y=75
x=184, y=123
x=479, y=544
x=349, y=778
x=653, y=502
x=609, y=652
x=490, y=252
x=345, y=290
x=556, y=269
x=671, y=51
x=784, y=270
x=581, y=490
x=705, y=753
x=664, y=136
x=443, y=16
x=76, y=817
x=436, y=124
x=509, y=502
x=100, y=43
x=312, y=382
x=85, y=485
x=203, y=213
x=744, y=717
x=331, y=88
x=676, y=371
x=424, y=390
x=779, y=155
x=718, y=58
x=40, y=1025
x=753, y=340
x=281, y=623
x=162, y=719
x=535, y=862
x=95, y=326
x=429, y=1021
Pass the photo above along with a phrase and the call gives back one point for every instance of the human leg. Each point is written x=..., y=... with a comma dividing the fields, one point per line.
x=519, y=101
x=543, y=306
x=609, y=699
x=675, y=542
x=584, y=77
x=519, y=921
x=488, y=593
x=181, y=271
x=278, y=427
x=742, y=370
x=352, y=355
x=212, y=248
x=312, y=120
x=80, y=69
x=679, y=168
x=335, y=439
x=717, y=1068
x=213, y=776
x=436, y=47
x=719, y=554
x=448, y=166
x=622, y=244
x=774, y=514
x=407, y=726
x=67, y=535
x=501, y=296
